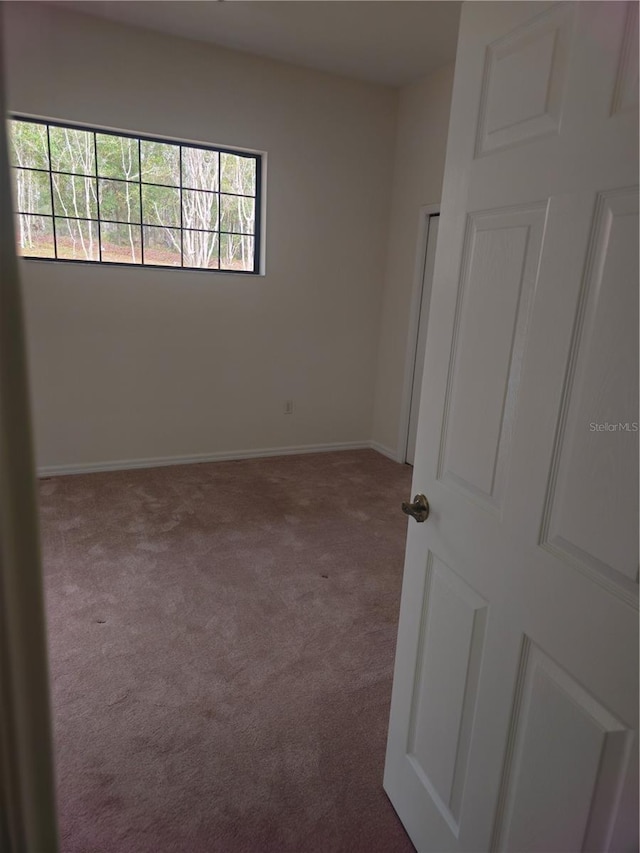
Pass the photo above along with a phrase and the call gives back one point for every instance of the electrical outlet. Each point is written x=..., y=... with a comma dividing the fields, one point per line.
x=288, y=407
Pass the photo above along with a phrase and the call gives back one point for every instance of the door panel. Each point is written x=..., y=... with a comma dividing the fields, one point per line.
x=524, y=82
x=500, y=267
x=565, y=766
x=625, y=94
x=443, y=703
x=514, y=711
x=584, y=521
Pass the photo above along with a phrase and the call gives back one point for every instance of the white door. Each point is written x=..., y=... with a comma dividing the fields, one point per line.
x=425, y=299
x=514, y=710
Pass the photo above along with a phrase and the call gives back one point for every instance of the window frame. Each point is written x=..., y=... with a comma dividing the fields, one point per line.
x=256, y=156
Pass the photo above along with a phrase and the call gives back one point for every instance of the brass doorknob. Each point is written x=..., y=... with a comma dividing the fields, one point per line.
x=419, y=509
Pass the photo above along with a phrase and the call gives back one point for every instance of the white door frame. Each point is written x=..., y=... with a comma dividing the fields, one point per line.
x=27, y=802
x=426, y=210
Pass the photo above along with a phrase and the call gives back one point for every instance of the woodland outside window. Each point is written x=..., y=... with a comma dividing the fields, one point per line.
x=97, y=196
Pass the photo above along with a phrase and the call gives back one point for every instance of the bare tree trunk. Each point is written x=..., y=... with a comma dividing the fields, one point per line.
x=24, y=221
x=86, y=161
x=74, y=198
x=127, y=171
x=133, y=251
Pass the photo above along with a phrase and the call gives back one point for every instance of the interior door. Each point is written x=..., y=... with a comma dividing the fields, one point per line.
x=514, y=711
x=418, y=367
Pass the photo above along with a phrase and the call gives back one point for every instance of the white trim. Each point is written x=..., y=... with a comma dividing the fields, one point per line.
x=224, y=456
x=426, y=211
x=385, y=451
x=192, y=459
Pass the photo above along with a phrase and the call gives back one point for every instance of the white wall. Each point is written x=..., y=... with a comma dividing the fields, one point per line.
x=134, y=363
x=423, y=120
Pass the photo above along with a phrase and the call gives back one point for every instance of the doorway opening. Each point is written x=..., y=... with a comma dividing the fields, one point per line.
x=426, y=260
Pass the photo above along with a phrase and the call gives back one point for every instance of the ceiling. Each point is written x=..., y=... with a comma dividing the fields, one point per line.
x=382, y=41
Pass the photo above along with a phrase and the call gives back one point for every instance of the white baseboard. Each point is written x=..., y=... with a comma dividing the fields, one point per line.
x=385, y=451
x=163, y=461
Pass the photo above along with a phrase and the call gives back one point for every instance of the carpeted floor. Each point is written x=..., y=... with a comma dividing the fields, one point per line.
x=222, y=640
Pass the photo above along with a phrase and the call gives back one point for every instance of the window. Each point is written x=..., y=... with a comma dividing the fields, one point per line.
x=100, y=197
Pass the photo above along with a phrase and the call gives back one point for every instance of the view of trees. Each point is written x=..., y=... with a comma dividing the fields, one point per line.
x=99, y=196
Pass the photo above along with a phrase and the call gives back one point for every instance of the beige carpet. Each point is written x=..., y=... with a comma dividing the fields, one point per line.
x=222, y=639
